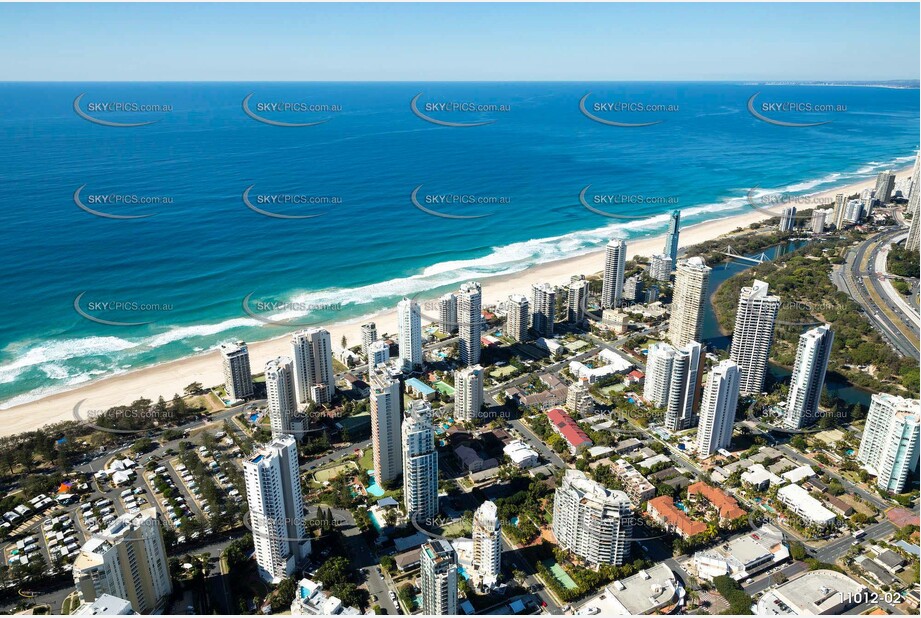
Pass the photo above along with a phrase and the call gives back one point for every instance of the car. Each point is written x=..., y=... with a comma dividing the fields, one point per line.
x=749, y=580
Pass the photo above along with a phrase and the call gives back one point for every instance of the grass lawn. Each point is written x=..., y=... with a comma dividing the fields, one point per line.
x=331, y=472
x=560, y=574
x=501, y=372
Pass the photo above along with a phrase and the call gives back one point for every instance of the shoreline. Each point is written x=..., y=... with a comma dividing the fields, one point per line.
x=166, y=379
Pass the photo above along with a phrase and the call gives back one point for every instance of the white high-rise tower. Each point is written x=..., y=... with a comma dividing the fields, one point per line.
x=543, y=309
x=753, y=335
x=692, y=279
x=612, y=281
x=438, y=578
x=409, y=325
x=487, y=544
x=681, y=408
x=385, y=425
x=468, y=393
x=718, y=409
x=276, y=508
x=518, y=317
x=808, y=377
x=313, y=365
x=469, y=322
x=279, y=387
x=420, y=464
x=889, y=445
x=238, y=379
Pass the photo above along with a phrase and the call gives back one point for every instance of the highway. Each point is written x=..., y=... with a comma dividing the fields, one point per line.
x=859, y=272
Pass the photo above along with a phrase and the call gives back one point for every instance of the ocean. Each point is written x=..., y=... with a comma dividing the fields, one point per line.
x=329, y=231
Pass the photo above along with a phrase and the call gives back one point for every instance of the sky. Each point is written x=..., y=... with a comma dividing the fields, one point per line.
x=458, y=42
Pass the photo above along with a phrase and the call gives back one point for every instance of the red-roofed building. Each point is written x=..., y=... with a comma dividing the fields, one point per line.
x=728, y=507
x=564, y=425
x=664, y=512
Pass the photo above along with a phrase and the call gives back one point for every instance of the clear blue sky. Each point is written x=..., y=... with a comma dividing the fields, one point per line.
x=321, y=42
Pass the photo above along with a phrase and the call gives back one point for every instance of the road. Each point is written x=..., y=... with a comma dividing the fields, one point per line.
x=854, y=277
x=363, y=558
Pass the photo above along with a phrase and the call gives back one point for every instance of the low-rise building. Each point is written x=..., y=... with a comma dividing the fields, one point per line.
x=635, y=484
x=312, y=600
x=663, y=511
x=726, y=505
x=743, y=556
x=805, y=506
x=563, y=424
x=760, y=477
x=819, y=592
x=521, y=454
x=646, y=592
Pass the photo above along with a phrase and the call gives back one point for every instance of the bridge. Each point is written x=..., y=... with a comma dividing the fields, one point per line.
x=755, y=260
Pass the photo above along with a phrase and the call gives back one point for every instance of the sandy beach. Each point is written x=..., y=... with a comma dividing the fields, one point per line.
x=172, y=377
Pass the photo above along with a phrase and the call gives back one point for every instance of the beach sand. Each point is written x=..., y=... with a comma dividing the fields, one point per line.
x=170, y=378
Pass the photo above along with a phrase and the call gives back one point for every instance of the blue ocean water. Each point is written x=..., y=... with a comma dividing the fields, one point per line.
x=185, y=271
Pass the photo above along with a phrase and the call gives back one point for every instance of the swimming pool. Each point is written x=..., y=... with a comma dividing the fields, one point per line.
x=373, y=488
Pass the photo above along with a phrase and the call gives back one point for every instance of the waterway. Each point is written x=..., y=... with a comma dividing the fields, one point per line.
x=714, y=339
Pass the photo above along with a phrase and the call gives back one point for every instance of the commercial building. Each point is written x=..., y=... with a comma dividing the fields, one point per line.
x=238, y=379
x=743, y=556
x=127, y=560
x=468, y=393
x=420, y=464
x=276, y=508
x=280, y=393
x=438, y=579
x=518, y=317
x=470, y=322
x=612, y=280
x=615, y=320
x=649, y=591
x=315, y=379
x=718, y=408
x=889, y=445
x=409, y=334
x=692, y=280
x=105, y=605
x=808, y=377
x=753, y=335
x=386, y=415
x=592, y=521
x=543, y=309
x=813, y=593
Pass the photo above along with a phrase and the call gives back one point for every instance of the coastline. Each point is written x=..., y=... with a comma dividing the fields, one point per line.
x=172, y=377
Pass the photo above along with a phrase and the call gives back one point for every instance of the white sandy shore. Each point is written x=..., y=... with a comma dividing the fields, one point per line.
x=169, y=378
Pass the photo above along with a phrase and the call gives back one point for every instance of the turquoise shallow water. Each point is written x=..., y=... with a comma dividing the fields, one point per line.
x=182, y=274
